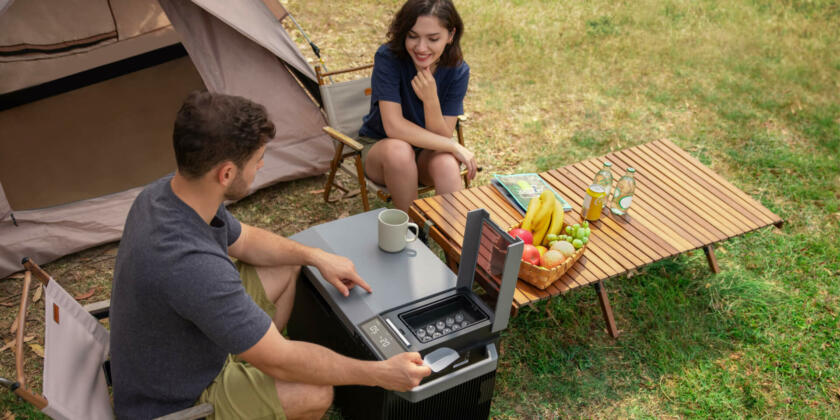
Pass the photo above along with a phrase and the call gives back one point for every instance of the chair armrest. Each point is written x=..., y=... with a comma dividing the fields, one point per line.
x=100, y=309
x=353, y=144
x=191, y=413
x=459, y=129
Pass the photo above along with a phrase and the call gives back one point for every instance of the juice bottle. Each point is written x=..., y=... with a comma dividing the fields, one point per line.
x=593, y=202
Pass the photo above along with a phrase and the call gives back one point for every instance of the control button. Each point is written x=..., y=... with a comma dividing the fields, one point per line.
x=430, y=328
x=440, y=325
x=420, y=333
x=456, y=327
x=426, y=339
x=459, y=317
x=464, y=324
x=450, y=321
x=436, y=334
x=447, y=331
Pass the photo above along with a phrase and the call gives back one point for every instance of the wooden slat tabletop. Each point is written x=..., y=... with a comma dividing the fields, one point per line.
x=679, y=205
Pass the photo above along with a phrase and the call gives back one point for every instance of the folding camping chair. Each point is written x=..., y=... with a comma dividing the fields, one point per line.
x=345, y=104
x=75, y=350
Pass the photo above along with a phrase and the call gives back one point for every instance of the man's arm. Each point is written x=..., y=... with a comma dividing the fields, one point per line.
x=260, y=247
x=299, y=361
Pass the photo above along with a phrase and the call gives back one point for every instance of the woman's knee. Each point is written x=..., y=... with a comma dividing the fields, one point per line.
x=397, y=154
x=444, y=166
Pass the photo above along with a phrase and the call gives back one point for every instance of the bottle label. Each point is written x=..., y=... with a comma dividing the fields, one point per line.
x=587, y=201
x=624, y=202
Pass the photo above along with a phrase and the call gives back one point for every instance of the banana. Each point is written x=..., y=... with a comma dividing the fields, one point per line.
x=540, y=230
x=546, y=206
x=556, y=219
x=533, y=208
x=543, y=217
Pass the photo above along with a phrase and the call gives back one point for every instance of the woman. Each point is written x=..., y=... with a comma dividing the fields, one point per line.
x=418, y=87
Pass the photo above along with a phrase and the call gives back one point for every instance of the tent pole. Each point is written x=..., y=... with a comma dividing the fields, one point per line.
x=312, y=45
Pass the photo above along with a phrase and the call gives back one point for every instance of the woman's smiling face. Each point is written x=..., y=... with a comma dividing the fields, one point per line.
x=426, y=41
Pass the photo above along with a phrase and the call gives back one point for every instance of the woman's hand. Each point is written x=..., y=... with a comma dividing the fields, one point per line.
x=425, y=86
x=466, y=157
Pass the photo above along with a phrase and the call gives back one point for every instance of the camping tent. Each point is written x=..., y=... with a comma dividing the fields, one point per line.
x=88, y=95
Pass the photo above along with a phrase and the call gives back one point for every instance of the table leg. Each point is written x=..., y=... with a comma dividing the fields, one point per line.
x=606, y=309
x=710, y=256
x=452, y=263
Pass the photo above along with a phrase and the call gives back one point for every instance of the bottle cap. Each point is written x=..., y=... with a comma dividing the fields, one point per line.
x=631, y=170
x=607, y=164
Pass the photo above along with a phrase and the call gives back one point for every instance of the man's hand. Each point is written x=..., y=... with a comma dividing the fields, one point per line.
x=338, y=271
x=425, y=86
x=466, y=157
x=403, y=372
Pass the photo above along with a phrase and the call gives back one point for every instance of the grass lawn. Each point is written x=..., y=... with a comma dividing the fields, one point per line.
x=751, y=88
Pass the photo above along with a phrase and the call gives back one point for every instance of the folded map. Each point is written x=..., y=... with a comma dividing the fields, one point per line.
x=521, y=188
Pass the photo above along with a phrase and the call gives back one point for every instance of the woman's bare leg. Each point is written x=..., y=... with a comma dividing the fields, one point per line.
x=440, y=169
x=391, y=162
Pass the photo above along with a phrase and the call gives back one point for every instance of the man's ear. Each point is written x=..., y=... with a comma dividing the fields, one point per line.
x=226, y=173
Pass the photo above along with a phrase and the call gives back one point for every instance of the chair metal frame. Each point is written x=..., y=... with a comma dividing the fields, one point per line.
x=98, y=310
x=356, y=169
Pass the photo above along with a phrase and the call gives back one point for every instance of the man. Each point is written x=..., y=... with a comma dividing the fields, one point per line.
x=181, y=308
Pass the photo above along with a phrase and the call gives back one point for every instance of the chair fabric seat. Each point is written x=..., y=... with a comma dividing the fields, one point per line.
x=76, y=345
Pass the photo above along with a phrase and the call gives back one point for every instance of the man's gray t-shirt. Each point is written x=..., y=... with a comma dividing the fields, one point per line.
x=178, y=307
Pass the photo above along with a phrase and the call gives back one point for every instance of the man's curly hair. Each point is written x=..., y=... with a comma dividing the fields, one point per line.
x=212, y=128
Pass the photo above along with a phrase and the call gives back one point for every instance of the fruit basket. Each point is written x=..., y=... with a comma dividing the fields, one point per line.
x=541, y=277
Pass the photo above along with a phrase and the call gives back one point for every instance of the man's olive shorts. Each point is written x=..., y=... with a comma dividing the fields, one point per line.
x=241, y=391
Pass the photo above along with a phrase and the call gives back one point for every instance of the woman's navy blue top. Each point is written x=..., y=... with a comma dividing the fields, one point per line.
x=391, y=81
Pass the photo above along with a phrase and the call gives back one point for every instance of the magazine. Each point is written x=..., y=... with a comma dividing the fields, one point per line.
x=521, y=188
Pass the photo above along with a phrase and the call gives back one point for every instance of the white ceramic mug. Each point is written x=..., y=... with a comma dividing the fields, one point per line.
x=393, y=230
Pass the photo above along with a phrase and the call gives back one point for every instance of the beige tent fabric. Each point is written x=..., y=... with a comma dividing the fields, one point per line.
x=47, y=234
x=55, y=24
x=95, y=140
x=30, y=72
x=5, y=208
x=228, y=62
x=231, y=63
x=254, y=20
x=137, y=17
x=4, y=5
x=76, y=345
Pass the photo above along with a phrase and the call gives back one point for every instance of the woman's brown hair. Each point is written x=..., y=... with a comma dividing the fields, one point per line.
x=406, y=17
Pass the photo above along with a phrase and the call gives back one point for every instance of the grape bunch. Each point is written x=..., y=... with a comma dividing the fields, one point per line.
x=577, y=235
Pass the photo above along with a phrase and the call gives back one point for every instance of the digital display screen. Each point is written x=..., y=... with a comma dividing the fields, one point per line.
x=379, y=335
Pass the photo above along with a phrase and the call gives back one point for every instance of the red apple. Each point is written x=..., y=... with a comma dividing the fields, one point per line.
x=531, y=254
x=523, y=234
